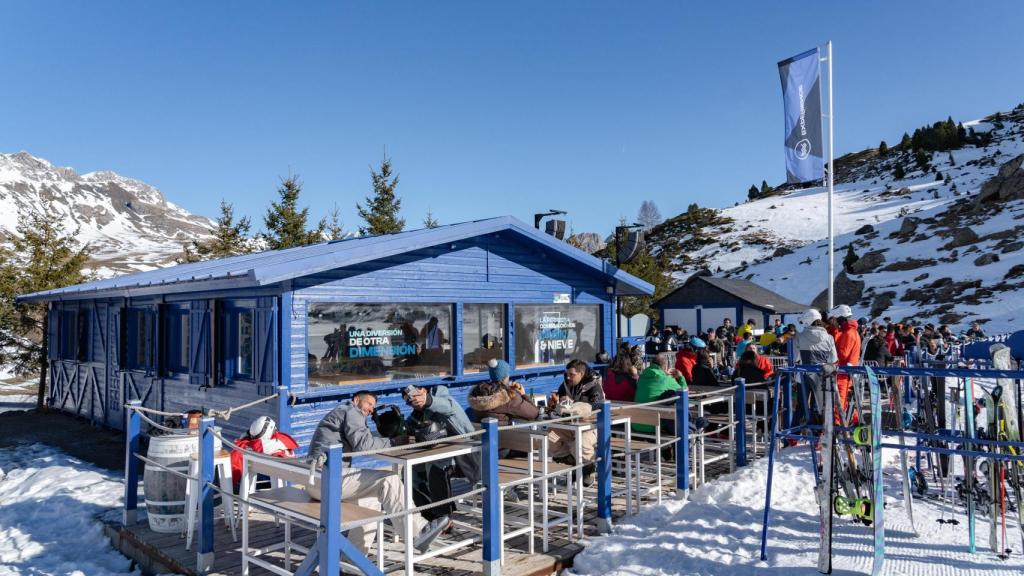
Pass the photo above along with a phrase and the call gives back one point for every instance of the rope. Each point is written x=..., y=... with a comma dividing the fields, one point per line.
x=153, y=410
x=164, y=467
x=712, y=393
x=645, y=404
x=153, y=423
x=226, y=414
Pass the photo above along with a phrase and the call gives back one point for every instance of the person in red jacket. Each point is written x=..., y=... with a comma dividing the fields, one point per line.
x=686, y=358
x=265, y=438
x=847, y=347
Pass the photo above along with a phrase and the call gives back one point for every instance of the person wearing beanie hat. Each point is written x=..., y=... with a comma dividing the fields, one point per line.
x=498, y=370
x=697, y=343
x=500, y=398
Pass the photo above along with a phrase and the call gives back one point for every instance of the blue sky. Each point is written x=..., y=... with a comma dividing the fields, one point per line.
x=485, y=108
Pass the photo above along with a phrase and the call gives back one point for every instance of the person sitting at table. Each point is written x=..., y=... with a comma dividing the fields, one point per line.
x=704, y=372
x=745, y=340
x=687, y=357
x=501, y=398
x=620, y=379
x=346, y=425
x=659, y=381
x=754, y=367
x=505, y=401
x=435, y=414
x=263, y=437
x=580, y=389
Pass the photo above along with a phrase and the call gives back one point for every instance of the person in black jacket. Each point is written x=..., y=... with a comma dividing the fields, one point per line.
x=878, y=349
x=582, y=385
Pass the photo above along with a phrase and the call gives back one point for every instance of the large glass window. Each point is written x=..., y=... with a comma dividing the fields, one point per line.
x=483, y=335
x=550, y=334
x=350, y=343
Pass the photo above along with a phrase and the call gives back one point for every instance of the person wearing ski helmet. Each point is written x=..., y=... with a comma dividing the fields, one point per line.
x=814, y=346
x=847, y=338
x=263, y=437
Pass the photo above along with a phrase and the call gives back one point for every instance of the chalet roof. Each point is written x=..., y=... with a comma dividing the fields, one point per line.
x=745, y=290
x=276, y=266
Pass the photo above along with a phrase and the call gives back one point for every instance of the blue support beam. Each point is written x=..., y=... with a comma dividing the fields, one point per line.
x=604, y=468
x=683, y=445
x=330, y=513
x=492, y=499
x=133, y=431
x=204, y=556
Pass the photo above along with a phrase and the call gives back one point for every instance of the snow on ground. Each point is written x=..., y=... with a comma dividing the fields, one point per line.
x=48, y=507
x=16, y=393
x=718, y=532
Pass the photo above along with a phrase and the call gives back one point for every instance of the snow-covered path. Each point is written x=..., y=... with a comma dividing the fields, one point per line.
x=718, y=533
x=48, y=507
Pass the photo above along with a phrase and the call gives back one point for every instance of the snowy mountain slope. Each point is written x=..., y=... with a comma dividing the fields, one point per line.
x=780, y=241
x=129, y=224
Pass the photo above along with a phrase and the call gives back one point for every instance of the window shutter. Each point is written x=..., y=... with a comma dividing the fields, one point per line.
x=265, y=338
x=199, y=343
x=121, y=336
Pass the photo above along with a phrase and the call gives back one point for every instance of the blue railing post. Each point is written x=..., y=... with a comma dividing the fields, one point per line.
x=492, y=500
x=740, y=413
x=204, y=556
x=604, y=468
x=133, y=429
x=330, y=513
x=787, y=399
x=683, y=445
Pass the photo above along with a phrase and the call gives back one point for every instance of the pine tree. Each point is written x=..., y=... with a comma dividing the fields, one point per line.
x=921, y=159
x=381, y=211
x=42, y=256
x=335, y=229
x=883, y=148
x=430, y=221
x=766, y=190
x=899, y=173
x=286, y=224
x=938, y=176
x=230, y=238
x=952, y=161
x=753, y=193
x=905, y=142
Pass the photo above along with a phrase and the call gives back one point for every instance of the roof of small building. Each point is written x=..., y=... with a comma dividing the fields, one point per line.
x=745, y=290
x=274, y=266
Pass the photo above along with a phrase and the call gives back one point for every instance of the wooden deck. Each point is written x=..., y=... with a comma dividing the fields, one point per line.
x=156, y=553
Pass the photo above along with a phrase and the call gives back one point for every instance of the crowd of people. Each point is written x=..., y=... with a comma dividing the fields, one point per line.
x=670, y=361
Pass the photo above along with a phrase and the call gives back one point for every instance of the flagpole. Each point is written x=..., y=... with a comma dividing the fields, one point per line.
x=831, y=239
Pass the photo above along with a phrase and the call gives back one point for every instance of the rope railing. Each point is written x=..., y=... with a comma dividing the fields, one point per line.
x=153, y=410
x=226, y=413
x=159, y=426
x=164, y=467
x=718, y=392
x=400, y=447
x=646, y=405
x=532, y=423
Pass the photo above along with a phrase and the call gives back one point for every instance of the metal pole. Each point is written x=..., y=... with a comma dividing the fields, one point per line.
x=771, y=470
x=604, y=468
x=831, y=239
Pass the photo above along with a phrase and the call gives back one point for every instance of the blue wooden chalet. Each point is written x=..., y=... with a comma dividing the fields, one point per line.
x=318, y=323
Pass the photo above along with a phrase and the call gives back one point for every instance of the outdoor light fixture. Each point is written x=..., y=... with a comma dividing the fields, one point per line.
x=538, y=217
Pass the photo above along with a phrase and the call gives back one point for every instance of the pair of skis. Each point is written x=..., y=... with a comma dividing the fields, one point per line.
x=870, y=509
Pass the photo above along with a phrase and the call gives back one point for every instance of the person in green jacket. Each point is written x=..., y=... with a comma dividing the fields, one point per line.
x=659, y=380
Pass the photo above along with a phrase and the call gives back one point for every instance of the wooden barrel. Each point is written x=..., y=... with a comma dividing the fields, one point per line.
x=165, y=492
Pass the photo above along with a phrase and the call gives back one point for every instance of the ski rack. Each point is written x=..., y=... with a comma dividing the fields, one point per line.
x=806, y=432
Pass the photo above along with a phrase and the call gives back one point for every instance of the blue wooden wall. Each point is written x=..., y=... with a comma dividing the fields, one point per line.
x=497, y=268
